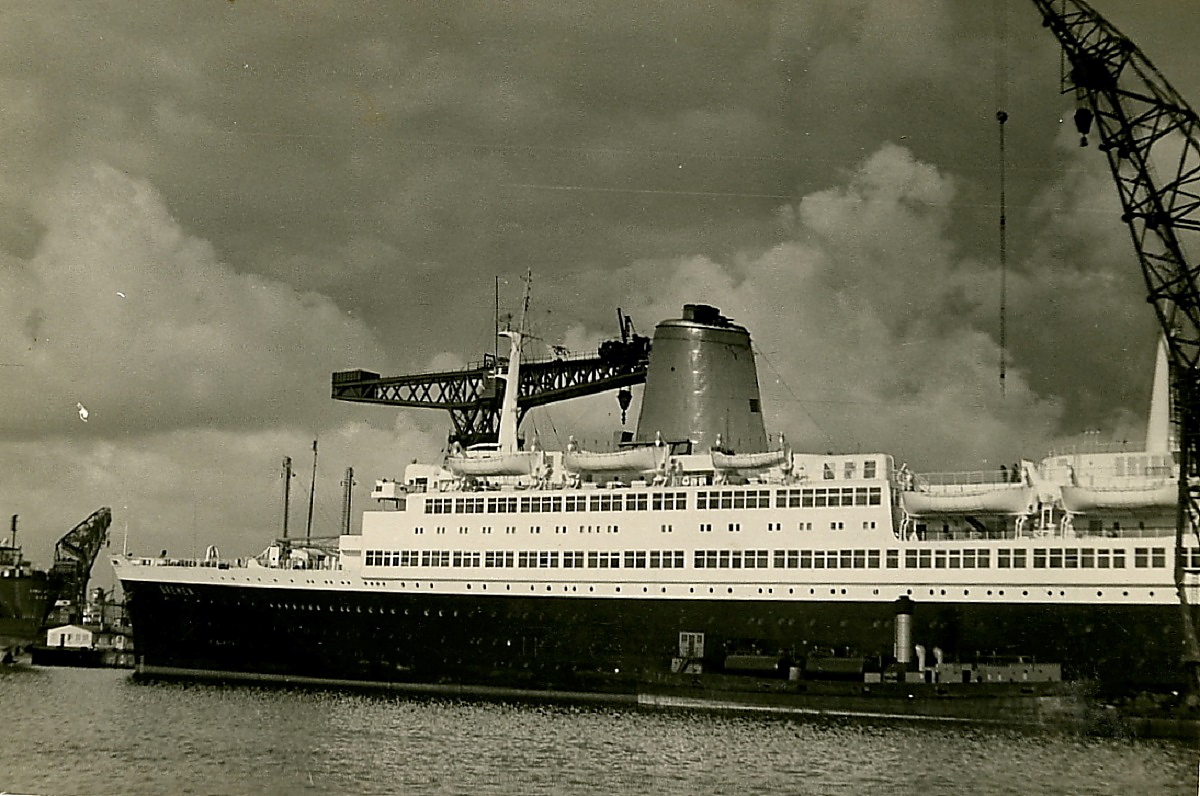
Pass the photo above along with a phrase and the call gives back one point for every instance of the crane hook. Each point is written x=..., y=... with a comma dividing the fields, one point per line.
x=1083, y=123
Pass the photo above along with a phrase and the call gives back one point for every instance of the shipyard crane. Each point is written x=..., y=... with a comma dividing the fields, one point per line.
x=1151, y=138
x=473, y=395
x=74, y=555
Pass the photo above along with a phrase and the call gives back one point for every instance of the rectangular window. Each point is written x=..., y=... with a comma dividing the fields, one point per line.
x=1039, y=558
x=869, y=468
x=1118, y=559
x=1158, y=557
x=893, y=559
x=827, y=471
x=1071, y=558
x=806, y=559
x=1141, y=557
x=860, y=559
x=780, y=559
x=1056, y=558
x=1087, y=558
x=910, y=559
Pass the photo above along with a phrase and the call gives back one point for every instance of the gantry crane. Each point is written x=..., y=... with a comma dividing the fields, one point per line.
x=473, y=395
x=1152, y=141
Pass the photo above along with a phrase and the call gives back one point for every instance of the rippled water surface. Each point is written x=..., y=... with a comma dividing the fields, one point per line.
x=75, y=731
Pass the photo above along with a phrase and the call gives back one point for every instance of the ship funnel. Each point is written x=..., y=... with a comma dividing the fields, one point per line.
x=702, y=384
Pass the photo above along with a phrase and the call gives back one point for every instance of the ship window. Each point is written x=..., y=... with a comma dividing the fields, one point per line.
x=727, y=499
x=1141, y=556
x=739, y=500
x=869, y=468
x=910, y=559
x=939, y=560
x=925, y=559
x=1071, y=558
x=848, y=470
x=827, y=471
x=981, y=558
x=1118, y=559
x=875, y=496
x=1039, y=558
x=723, y=559
x=678, y=559
x=860, y=559
x=1019, y=559
x=893, y=559
x=809, y=498
x=819, y=559
x=780, y=559
x=637, y=502
x=1158, y=557
x=806, y=559
x=755, y=406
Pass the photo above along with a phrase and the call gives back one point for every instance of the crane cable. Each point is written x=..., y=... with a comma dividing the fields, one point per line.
x=1001, y=118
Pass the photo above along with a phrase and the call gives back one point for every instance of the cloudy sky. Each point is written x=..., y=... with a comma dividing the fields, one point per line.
x=208, y=207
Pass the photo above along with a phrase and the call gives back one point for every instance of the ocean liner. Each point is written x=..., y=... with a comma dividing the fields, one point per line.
x=700, y=546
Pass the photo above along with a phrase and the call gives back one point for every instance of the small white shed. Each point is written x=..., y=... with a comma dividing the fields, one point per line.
x=69, y=637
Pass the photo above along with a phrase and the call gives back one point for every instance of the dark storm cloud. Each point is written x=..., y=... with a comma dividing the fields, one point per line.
x=282, y=190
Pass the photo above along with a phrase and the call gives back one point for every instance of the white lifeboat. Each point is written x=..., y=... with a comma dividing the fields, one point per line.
x=748, y=461
x=477, y=463
x=1012, y=499
x=1079, y=499
x=642, y=459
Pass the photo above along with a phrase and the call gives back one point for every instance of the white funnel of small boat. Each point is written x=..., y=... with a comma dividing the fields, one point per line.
x=1158, y=426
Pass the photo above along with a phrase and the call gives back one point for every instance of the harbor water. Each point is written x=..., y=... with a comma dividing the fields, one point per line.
x=80, y=731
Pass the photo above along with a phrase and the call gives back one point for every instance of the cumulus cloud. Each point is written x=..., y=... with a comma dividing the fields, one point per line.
x=121, y=309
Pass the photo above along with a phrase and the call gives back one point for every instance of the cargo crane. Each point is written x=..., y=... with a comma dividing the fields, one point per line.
x=473, y=395
x=74, y=555
x=1151, y=138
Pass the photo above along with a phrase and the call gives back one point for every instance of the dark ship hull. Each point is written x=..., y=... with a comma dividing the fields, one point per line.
x=605, y=645
x=24, y=603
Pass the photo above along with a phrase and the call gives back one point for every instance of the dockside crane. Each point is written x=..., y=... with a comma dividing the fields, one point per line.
x=1151, y=138
x=74, y=555
x=473, y=395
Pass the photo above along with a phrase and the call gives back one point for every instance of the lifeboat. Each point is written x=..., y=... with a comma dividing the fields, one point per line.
x=477, y=463
x=975, y=499
x=643, y=459
x=748, y=461
x=1079, y=499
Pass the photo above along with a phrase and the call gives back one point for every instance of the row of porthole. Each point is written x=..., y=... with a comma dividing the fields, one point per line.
x=812, y=592
x=711, y=590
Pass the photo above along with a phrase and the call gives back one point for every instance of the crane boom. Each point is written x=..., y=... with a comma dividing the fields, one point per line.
x=1151, y=138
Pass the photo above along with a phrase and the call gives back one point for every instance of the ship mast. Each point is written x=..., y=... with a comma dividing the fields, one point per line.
x=311, y=493
x=287, y=491
x=509, y=411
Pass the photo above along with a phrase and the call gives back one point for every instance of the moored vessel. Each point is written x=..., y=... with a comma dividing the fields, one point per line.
x=602, y=574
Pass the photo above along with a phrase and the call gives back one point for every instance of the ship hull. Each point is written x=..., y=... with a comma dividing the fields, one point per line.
x=24, y=604
x=604, y=645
